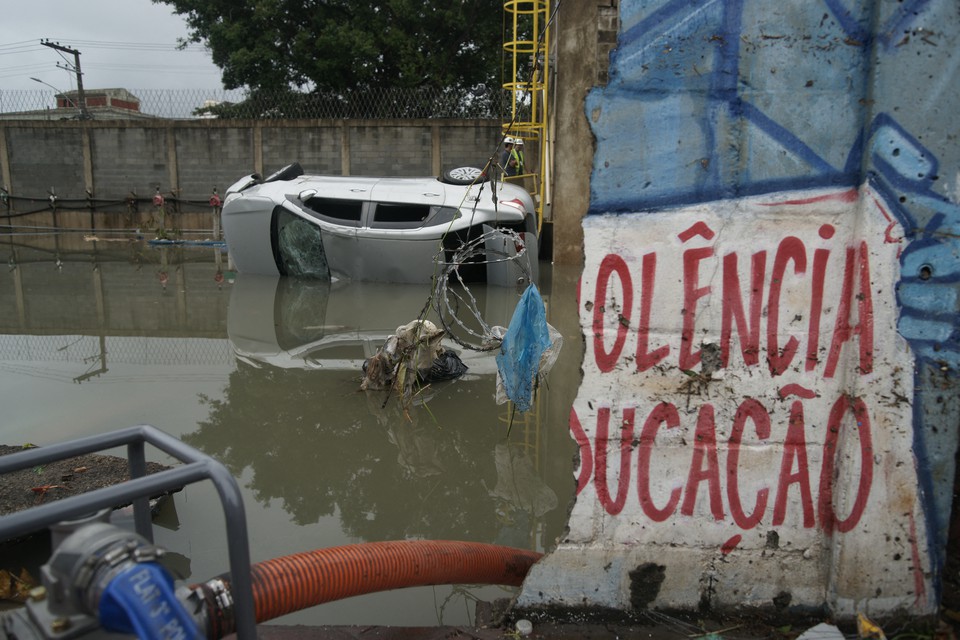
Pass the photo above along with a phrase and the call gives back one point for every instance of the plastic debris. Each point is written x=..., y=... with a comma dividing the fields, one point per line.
x=528, y=351
x=868, y=630
x=414, y=353
x=519, y=485
x=822, y=631
x=524, y=627
x=446, y=366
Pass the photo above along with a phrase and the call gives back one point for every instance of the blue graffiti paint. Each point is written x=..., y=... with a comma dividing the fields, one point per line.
x=904, y=173
x=692, y=84
x=904, y=14
x=701, y=107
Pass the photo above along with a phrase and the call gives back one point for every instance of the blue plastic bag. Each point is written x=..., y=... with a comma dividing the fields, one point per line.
x=528, y=336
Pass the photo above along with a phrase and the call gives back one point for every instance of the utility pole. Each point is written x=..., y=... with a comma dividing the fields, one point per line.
x=81, y=98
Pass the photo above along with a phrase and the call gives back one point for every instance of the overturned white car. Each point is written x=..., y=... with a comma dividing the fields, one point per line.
x=378, y=229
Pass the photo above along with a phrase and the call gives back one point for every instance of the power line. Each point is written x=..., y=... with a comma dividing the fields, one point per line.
x=135, y=46
x=23, y=72
x=101, y=62
x=10, y=50
x=13, y=44
x=26, y=67
x=144, y=46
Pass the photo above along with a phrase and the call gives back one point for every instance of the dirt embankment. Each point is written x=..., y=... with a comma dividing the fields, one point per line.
x=61, y=479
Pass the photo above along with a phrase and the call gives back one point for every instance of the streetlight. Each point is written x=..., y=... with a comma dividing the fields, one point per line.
x=65, y=96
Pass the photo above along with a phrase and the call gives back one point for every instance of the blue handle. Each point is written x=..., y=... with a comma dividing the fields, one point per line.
x=141, y=600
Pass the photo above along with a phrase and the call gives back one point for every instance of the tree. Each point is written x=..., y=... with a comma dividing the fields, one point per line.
x=336, y=45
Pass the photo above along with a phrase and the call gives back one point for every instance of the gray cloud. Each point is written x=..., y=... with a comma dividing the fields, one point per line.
x=122, y=43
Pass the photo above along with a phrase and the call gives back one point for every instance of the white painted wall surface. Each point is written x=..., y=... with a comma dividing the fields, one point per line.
x=744, y=420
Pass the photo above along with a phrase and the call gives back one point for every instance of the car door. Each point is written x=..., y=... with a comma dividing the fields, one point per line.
x=396, y=241
x=338, y=209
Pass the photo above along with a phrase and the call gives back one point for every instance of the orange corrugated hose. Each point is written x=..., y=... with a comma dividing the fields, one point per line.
x=302, y=580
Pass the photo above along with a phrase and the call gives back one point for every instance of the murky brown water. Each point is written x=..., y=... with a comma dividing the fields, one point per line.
x=263, y=374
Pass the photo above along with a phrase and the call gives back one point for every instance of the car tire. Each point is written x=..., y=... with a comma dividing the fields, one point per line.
x=289, y=172
x=463, y=175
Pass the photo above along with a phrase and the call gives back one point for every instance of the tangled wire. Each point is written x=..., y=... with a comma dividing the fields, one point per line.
x=451, y=303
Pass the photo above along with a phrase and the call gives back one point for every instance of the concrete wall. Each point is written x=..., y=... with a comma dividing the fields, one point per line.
x=112, y=159
x=584, y=35
x=769, y=411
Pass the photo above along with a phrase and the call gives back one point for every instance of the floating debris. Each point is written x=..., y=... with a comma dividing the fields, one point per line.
x=413, y=355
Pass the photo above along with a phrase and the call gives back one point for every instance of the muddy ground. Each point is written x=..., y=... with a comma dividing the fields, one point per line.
x=61, y=479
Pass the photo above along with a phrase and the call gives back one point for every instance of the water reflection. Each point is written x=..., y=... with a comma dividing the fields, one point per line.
x=264, y=375
x=443, y=470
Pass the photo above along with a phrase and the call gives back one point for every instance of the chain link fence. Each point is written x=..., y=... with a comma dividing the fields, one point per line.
x=373, y=103
x=88, y=350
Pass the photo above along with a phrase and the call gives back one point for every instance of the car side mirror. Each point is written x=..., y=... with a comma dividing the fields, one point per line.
x=306, y=194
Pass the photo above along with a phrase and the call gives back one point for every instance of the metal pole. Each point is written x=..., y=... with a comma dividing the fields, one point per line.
x=81, y=97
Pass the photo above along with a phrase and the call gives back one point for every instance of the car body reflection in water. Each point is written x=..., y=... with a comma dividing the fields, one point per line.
x=311, y=324
x=293, y=414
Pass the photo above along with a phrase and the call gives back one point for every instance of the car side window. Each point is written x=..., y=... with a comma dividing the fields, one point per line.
x=345, y=212
x=443, y=215
x=389, y=215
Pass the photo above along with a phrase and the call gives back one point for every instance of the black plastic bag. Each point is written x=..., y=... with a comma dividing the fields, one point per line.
x=446, y=366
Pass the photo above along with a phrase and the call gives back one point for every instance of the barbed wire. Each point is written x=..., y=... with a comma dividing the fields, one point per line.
x=452, y=303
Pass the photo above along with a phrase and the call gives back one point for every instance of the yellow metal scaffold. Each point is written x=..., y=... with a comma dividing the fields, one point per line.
x=527, y=45
x=526, y=71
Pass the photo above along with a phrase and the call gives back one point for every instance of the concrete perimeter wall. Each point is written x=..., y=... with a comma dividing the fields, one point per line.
x=113, y=159
x=769, y=411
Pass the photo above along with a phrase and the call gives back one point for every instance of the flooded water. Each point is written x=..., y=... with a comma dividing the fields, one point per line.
x=263, y=374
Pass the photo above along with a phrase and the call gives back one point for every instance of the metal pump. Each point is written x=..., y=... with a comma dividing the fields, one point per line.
x=102, y=581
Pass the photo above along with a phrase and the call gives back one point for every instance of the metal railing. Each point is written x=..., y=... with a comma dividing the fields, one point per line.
x=372, y=103
x=137, y=490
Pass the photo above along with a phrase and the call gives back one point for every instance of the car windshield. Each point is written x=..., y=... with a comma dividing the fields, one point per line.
x=297, y=246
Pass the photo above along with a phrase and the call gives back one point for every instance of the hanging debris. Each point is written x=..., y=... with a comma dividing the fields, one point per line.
x=413, y=355
x=527, y=352
x=456, y=305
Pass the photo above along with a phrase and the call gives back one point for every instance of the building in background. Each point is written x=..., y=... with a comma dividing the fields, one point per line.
x=101, y=104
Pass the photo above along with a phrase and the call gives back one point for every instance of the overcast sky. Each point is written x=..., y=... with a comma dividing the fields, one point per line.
x=123, y=43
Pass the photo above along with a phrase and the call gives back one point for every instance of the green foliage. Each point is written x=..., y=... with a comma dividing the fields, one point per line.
x=335, y=45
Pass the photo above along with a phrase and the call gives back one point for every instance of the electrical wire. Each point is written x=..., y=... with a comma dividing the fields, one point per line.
x=138, y=46
x=189, y=49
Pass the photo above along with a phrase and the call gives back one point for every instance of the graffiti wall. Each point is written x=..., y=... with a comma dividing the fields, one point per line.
x=768, y=414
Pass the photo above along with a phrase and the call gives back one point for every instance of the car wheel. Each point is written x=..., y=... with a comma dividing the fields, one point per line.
x=289, y=172
x=463, y=175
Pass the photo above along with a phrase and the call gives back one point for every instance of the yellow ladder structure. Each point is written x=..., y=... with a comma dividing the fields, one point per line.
x=528, y=40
